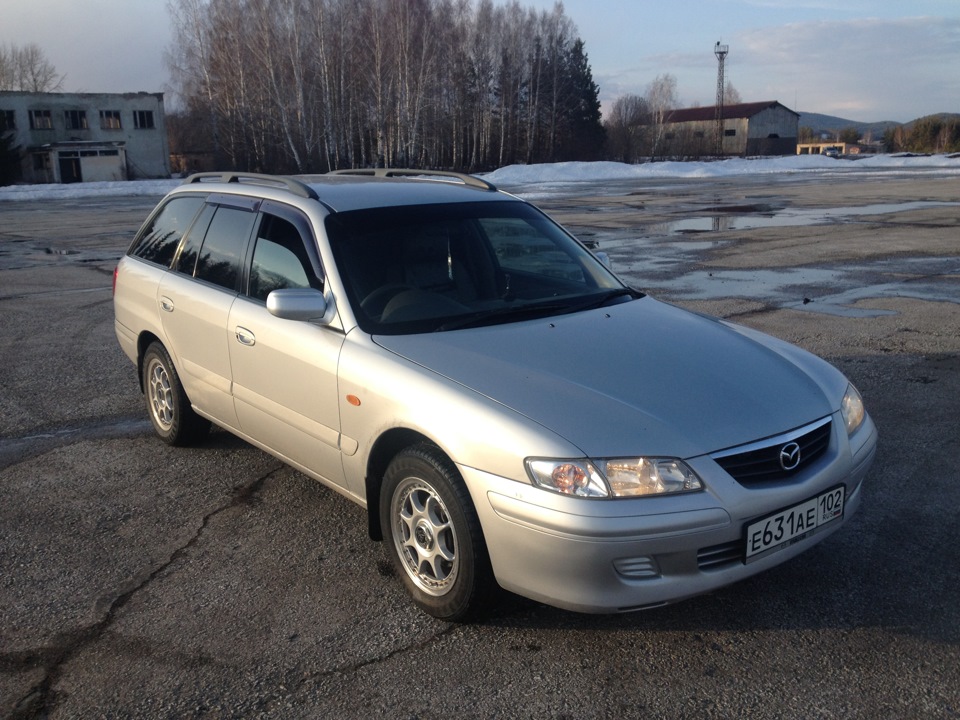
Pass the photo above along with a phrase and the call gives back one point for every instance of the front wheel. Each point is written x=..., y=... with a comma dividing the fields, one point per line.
x=167, y=403
x=433, y=534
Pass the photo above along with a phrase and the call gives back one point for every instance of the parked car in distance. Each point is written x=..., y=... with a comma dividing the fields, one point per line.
x=510, y=414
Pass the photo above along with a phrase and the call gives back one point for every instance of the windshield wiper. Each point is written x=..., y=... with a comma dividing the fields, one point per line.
x=598, y=301
x=527, y=312
x=496, y=315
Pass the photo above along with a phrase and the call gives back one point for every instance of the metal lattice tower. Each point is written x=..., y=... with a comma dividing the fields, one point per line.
x=721, y=52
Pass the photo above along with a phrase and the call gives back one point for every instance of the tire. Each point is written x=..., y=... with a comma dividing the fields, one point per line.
x=167, y=404
x=433, y=535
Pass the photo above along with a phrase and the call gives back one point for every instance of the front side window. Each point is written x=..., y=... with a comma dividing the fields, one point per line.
x=280, y=259
x=143, y=119
x=41, y=120
x=219, y=259
x=158, y=241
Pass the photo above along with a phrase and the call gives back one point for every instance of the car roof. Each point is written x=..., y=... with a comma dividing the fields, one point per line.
x=356, y=190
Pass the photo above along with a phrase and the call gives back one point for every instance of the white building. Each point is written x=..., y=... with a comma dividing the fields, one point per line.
x=85, y=137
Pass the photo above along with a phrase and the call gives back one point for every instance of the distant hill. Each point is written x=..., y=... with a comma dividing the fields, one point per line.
x=831, y=125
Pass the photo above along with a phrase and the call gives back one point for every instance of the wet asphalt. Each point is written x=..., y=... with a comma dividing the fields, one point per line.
x=138, y=580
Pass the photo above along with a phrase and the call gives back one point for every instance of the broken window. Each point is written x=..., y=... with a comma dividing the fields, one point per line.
x=76, y=119
x=143, y=119
x=110, y=120
x=41, y=120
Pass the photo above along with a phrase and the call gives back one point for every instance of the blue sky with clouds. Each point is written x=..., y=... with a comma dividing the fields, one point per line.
x=864, y=60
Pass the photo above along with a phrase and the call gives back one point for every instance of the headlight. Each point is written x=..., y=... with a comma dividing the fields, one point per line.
x=614, y=477
x=852, y=409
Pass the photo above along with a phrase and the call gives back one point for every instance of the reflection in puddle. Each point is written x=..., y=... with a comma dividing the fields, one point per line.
x=830, y=291
x=788, y=217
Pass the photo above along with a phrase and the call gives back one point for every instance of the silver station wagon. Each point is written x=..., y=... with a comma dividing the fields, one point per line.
x=509, y=412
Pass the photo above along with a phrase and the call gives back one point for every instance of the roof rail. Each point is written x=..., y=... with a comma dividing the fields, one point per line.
x=295, y=186
x=471, y=180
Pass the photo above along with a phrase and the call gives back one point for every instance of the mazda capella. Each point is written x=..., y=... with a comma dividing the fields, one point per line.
x=510, y=414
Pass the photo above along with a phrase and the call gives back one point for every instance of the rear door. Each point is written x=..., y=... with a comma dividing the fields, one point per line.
x=196, y=297
x=285, y=371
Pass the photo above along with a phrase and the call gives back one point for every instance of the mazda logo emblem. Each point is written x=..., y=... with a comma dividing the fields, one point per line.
x=790, y=456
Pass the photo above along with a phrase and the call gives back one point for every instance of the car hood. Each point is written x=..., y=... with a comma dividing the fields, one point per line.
x=638, y=378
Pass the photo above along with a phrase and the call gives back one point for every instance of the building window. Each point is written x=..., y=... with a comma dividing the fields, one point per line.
x=7, y=120
x=110, y=120
x=730, y=133
x=41, y=120
x=143, y=119
x=76, y=119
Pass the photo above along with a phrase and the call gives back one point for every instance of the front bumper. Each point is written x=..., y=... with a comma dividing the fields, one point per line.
x=606, y=556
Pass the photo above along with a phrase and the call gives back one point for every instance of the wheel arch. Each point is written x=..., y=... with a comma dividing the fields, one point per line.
x=387, y=447
x=145, y=340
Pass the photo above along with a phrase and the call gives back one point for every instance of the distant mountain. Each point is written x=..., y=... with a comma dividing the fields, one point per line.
x=831, y=125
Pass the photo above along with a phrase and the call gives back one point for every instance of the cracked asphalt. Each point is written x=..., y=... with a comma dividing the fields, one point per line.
x=138, y=580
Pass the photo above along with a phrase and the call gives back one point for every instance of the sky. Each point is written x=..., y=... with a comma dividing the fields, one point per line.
x=863, y=60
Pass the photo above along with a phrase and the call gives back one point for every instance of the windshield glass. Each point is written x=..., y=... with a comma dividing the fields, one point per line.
x=441, y=267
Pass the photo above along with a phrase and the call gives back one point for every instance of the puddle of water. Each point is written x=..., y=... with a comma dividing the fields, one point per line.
x=790, y=217
x=830, y=291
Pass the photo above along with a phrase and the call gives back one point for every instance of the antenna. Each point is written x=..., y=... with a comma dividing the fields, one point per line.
x=721, y=52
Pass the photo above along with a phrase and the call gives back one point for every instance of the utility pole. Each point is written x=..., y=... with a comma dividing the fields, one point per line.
x=721, y=52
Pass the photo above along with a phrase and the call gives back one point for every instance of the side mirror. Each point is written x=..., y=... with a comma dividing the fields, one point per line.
x=602, y=257
x=297, y=304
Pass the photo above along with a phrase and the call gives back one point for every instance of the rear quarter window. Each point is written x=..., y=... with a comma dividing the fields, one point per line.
x=157, y=243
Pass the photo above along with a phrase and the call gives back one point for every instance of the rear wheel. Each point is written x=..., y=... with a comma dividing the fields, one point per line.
x=167, y=404
x=434, y=536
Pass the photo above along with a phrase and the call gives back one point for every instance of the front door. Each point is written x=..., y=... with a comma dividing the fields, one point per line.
x=285, y=371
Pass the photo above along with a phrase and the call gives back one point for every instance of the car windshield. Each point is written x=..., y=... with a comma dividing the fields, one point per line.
x=443, y=267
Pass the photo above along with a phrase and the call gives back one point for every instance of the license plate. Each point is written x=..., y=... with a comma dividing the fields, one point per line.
x=793, y=524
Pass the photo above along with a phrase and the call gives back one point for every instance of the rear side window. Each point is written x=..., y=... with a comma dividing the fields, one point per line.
x=223, y=247
x=158, y=242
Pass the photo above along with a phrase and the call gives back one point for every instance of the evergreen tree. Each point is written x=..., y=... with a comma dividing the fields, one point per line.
x=586, y=133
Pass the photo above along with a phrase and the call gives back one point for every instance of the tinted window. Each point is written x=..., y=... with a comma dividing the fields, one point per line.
x=223, y=246
x=158, y=242
x=279, y=259
x=430, y=267
x=190, y=249
x=521, y=246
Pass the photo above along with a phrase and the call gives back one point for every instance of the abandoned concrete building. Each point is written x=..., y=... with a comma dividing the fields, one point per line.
x=760, y=128
x=84, y=137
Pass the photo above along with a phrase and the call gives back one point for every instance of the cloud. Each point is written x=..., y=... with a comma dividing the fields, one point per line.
x=879, y=69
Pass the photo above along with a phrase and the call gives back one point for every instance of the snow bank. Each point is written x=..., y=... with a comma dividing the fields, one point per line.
x=158, y=188
x=579, y=172
x=569, y=172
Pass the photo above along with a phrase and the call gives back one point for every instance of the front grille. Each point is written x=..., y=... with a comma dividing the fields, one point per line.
x=717, y=556
x=759, y=463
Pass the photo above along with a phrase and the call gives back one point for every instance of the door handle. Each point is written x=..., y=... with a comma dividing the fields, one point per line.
x=245, y=337
x=166, y=304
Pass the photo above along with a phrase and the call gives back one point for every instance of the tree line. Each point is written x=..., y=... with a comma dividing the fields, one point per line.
x=312, y=85
x=931, y=134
